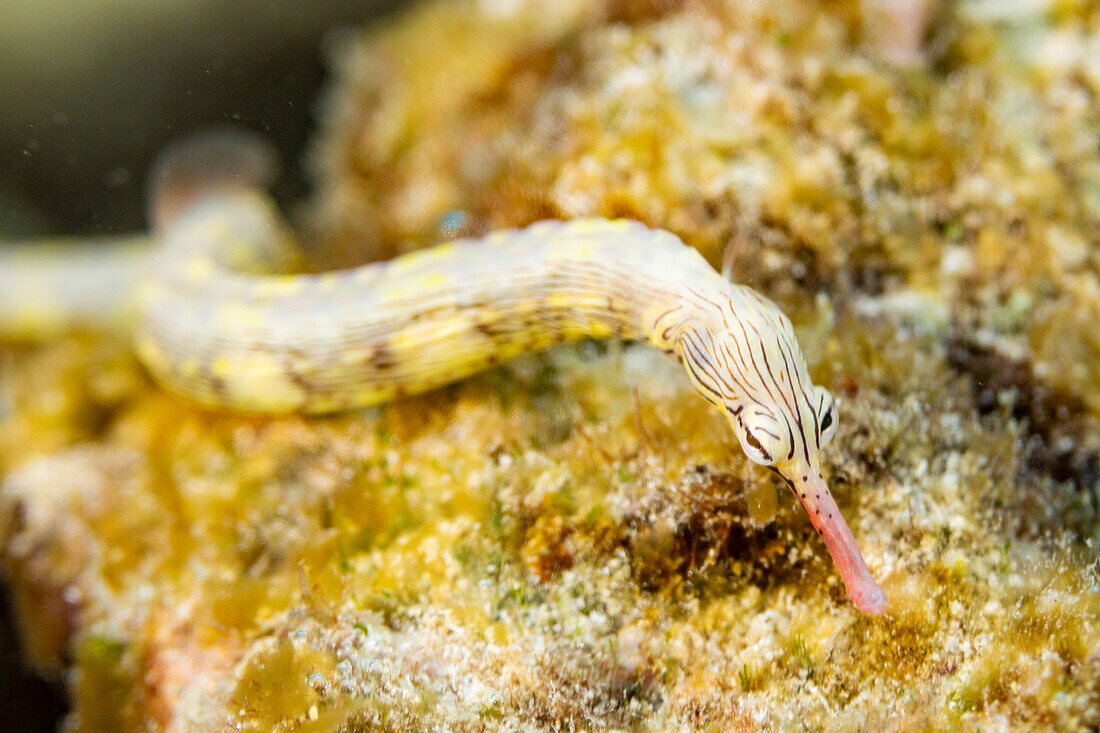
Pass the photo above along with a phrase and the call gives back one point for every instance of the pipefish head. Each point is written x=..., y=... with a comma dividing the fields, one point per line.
x=745, y=360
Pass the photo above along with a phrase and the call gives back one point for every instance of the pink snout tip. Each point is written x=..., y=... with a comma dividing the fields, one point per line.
x=868, y=597
x=824, y=514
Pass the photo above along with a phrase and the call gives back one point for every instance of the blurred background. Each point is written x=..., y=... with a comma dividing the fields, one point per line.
x=92, y=90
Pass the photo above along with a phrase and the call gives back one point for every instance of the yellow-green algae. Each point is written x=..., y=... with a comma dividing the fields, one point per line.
x=574, y=541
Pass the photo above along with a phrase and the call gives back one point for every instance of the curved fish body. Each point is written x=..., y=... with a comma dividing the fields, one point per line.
x=345, y=339
x=50, y=287
x=219, y=324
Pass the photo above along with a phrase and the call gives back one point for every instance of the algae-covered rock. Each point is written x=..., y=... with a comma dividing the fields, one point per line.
x=574, y=540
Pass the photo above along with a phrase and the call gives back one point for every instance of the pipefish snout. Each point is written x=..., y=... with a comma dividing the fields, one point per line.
x=220, y=325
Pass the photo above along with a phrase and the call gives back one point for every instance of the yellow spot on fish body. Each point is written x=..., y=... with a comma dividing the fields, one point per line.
x=410, y=340
x=599, y=330
x=223, y=368
x=442, y=251
x=591, y=226
x=198, y=269
x=527, y=307
x=433, y=280
x=276, y=286
x=151, y=353
x=562, y=301
x=149, y=292
x=354, y=355
x=273, y=397
x=406, y=263
x=261, y=379
x=373, y=395
x=323, y=403
x=190, y=366
x=574, y=331
x=486, y=319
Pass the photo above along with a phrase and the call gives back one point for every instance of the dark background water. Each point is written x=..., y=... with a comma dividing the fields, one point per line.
x=90, y=92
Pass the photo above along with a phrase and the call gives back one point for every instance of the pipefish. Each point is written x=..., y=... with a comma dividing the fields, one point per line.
x=218, y=324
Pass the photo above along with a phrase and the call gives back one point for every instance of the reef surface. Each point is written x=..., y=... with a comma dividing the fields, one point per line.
x=573, y=540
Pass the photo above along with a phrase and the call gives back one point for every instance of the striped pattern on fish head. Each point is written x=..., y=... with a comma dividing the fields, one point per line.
x=743, y=356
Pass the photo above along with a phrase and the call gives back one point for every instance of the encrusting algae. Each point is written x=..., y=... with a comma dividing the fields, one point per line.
x=573, y=540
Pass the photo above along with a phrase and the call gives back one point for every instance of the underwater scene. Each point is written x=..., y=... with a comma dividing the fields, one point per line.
x=551, y=365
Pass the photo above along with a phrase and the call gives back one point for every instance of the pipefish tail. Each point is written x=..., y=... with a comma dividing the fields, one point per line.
x=218, y=324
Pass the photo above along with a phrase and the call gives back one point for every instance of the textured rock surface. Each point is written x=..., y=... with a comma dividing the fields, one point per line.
x=574, y=540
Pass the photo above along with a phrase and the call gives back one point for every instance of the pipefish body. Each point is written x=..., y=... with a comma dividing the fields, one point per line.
x=218, y=324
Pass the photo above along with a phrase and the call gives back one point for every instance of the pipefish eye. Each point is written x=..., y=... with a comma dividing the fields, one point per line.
x=826, y=414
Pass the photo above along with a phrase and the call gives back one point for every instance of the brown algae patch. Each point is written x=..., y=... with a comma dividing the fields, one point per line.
x=574, y=540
